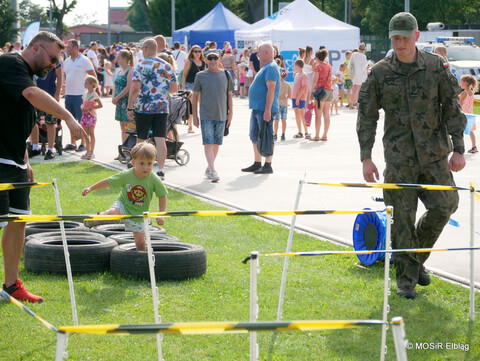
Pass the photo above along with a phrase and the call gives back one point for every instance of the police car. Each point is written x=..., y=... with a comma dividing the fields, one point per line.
x=462, y=54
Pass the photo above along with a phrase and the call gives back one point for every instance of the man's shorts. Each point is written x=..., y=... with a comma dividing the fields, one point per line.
x=340, y=86
x=15, y=201
x=301, y=106
x=348, y=84
x=256, y=120
x=130, y=224
x=282, y=114
x=145, y=122
x=73, y=103
x=47, y=118
x=212, y=131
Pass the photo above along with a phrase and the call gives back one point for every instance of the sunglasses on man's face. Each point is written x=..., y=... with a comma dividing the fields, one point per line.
x=212, y=58
x=53, y=59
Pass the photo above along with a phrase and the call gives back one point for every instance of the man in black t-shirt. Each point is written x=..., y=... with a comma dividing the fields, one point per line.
x=19, y=96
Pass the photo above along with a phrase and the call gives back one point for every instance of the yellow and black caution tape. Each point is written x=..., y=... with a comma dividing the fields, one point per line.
x=9, y=186
x=191, y=328
x=17, y=303
x=326, y=253
x=430, y=187
x=44, y=218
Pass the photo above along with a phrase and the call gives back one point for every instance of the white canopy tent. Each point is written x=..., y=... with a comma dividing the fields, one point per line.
x=297, y=25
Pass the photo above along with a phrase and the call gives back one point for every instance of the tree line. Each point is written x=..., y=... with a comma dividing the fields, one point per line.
x=371, y=16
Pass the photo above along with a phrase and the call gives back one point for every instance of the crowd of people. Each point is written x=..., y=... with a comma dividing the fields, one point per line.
x=114, y=66
x=140, y=80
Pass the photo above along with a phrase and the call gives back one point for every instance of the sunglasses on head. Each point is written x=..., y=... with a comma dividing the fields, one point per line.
x=53, y=59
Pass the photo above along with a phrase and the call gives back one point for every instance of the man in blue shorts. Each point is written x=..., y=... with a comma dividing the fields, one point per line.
x=263, y=100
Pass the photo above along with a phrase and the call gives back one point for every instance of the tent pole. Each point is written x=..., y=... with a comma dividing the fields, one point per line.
x=173, y=16
x=265, y=8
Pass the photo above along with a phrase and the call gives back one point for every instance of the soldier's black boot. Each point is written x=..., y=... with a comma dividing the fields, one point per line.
x=407, y=292
x=423, y=277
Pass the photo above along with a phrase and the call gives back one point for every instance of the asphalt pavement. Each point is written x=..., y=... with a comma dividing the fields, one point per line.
x=334, y=161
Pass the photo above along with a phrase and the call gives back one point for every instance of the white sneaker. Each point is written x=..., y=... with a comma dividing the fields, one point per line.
x=208, y=173
x=214, y=178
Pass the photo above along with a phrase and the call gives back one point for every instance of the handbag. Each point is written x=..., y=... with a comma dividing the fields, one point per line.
x=265, y=140
x=227, y=129
x=319, y=94
x=309, y=113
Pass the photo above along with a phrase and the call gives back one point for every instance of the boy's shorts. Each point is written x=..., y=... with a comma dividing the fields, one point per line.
x=130, y=224
x=282, y=114
x=301, y=106
x=348, y=83
x=340, y=86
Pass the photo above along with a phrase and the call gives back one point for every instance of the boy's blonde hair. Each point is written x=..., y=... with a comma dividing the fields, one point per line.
x=144, y=150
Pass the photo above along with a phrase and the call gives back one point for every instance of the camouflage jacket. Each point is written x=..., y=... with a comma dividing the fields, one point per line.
x=421, y=110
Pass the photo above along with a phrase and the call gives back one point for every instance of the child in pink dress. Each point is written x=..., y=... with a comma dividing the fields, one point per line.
x=91, y=101
x=469, y=84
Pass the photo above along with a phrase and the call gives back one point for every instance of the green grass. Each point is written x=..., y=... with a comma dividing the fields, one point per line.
x=476, y=109
x=331, y=287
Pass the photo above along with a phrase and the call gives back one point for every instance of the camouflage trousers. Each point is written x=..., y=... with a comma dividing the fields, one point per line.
x=440, y=206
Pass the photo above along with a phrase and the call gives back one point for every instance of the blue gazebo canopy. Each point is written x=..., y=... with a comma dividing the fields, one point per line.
x=218, y=25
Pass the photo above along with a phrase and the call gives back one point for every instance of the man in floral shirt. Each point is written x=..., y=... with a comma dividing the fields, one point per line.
x=153, y=80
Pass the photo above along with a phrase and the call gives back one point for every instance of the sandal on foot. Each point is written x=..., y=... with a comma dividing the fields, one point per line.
x=315, y=139
x=473, y=150
x=307, y=136
x=323, y=139
x=298, y=135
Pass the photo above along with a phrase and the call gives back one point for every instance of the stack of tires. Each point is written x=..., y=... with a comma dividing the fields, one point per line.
x=43, y=253
x=109, y=246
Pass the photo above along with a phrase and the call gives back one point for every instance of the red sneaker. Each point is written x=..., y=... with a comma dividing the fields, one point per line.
x=19, y=292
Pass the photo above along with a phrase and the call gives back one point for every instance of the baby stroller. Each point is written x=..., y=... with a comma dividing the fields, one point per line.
x=43, y=140
x=178, y=105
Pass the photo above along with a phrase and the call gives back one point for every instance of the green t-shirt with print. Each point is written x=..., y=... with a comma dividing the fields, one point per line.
x=136, y=194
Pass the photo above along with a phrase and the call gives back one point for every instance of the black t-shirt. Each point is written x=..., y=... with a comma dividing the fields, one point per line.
x=256, y=62
x=17, y=116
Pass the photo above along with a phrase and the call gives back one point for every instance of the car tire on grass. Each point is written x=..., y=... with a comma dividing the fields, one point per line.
x=123, y=238
x=173, y=261
x=110, y=229
x=87, y=254
x=68, y=233
x=39, y=227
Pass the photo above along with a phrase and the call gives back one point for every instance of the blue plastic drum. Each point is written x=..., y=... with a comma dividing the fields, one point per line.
x=369, y=233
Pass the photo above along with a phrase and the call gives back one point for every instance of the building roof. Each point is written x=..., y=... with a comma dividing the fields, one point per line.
x=118, y=28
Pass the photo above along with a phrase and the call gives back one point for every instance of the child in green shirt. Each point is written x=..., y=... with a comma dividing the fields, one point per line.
x=137, y=187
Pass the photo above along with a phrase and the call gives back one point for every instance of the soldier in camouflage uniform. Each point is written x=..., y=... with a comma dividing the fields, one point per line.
x=423, y=118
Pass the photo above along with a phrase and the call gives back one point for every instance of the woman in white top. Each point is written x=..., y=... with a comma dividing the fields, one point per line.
x=357, y=71
x=309, y=63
